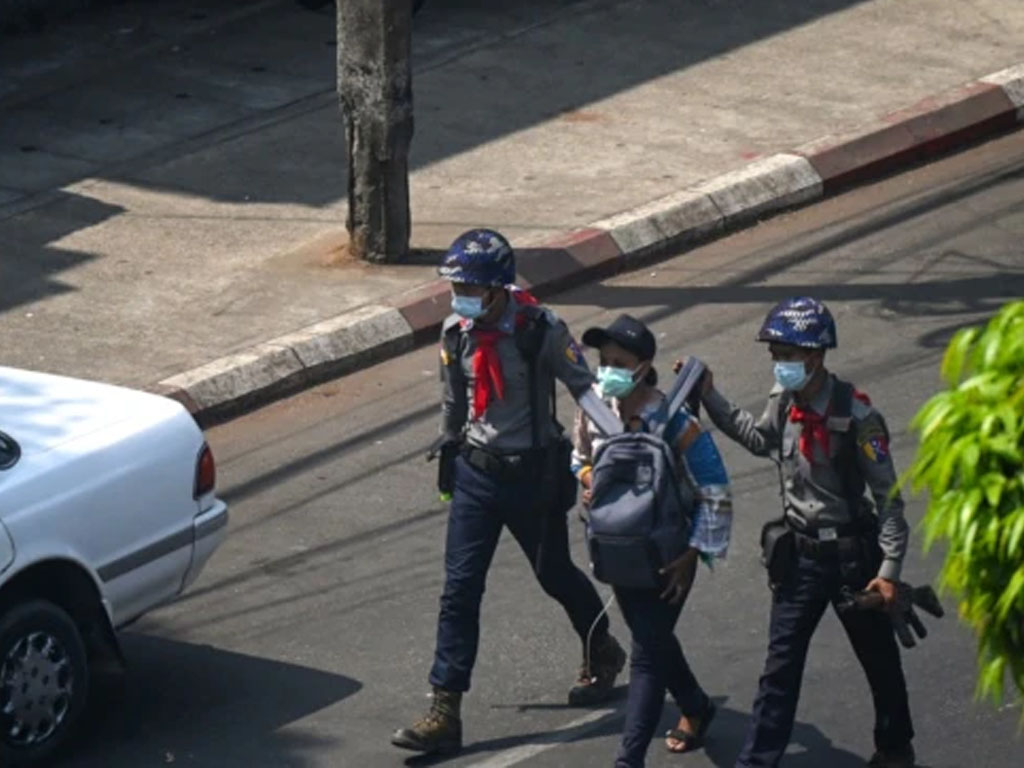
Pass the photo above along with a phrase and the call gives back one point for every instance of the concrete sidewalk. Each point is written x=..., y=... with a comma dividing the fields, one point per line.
x=171, y=188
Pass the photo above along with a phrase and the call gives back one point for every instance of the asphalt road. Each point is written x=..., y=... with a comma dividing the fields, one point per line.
x=309, y=637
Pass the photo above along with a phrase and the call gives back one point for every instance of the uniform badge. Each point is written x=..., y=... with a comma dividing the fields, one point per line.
x=876, y=448
x=573, y=352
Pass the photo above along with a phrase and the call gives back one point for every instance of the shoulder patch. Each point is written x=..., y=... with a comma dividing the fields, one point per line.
x=876, y=448
x=872, y=436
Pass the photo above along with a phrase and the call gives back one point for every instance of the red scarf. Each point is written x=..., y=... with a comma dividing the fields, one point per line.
x=815, y=427
x=488, y=381
x=814, y=430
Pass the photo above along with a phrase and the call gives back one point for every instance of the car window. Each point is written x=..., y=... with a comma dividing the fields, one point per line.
x=10, y=451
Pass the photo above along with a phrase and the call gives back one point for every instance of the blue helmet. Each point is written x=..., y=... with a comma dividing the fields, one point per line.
x=800, y=321
x=480, y=257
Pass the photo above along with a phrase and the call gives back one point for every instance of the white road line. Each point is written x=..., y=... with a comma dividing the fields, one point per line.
x=545, y=741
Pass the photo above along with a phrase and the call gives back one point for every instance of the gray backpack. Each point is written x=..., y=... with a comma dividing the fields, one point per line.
x=640, y=514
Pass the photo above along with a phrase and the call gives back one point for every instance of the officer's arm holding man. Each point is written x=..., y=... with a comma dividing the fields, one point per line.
x=759, y=436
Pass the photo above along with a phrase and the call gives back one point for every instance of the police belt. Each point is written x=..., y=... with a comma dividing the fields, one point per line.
x=507, y=465
x=843, y=542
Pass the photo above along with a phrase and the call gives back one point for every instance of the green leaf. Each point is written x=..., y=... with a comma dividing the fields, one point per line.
x=993, y=485
x=969, y=508
x=969, y=459
x=956, y=354
x=1012, y=595
x=1013, y=541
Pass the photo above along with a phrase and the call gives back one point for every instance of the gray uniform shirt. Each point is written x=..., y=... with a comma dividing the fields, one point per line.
x=505, y=426
x=814, y=497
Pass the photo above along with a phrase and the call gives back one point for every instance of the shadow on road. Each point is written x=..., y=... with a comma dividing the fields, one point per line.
x=809, y=747
x=198, y=705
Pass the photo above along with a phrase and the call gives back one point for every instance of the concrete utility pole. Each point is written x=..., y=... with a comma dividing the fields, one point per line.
x=375, y=91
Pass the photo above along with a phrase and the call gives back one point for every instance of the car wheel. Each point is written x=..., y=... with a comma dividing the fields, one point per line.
x=44, y=681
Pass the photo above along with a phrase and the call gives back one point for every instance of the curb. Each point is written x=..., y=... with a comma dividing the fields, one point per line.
x=235, y=384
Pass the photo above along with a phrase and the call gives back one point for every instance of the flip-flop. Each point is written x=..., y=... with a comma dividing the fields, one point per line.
x=692, y=741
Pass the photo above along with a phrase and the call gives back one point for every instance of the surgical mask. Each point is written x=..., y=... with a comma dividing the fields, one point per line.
x=791, y=375
x=469, y=307
x=615, y=382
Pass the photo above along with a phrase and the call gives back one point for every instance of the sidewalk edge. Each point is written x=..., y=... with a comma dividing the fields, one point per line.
x=232, y=385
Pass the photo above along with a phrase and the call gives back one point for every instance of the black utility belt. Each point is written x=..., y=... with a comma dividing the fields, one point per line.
x=502, y=463
x=843, y=543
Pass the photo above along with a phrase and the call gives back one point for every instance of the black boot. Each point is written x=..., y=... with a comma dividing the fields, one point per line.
x=440, y=730
x=903, y=757
x=597, y=675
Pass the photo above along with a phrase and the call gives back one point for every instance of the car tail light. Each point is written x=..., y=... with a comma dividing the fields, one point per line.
x=206, y=473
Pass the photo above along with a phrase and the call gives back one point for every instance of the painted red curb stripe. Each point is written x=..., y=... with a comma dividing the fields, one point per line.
x=929, y=128
x=425, y=308
x=568, y=260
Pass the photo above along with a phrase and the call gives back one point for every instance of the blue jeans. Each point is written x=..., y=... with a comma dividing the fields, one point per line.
x=482, y=504
x=797, y=607
x=656, y=664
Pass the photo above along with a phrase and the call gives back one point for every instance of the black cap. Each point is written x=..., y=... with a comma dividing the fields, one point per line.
x=628, y=332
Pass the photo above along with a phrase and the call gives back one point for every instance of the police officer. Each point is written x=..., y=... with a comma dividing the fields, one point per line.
x=831, y=443
x=497, y=408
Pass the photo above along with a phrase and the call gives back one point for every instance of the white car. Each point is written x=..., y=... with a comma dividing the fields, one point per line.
x=107, y=510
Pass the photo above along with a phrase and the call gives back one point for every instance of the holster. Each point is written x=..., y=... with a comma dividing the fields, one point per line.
x=861, y=569
x=778, y=550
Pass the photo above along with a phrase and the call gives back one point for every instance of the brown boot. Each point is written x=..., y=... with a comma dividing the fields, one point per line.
x=597, y=675
x=440, y=730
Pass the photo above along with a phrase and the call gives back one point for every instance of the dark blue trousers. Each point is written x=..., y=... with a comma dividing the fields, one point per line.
x=797, y=607
x=481, y=505
x=656, y=664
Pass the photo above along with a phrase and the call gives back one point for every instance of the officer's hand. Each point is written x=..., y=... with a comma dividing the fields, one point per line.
x=588, y=495
x=680, y=574
x=706, y=378
x=886, y=588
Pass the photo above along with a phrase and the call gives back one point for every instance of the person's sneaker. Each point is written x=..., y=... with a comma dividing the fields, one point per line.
x=440, y=730
x=903, y=757
x=597, y=675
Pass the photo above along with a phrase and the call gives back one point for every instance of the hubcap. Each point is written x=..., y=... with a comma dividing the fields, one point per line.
x=36, y=686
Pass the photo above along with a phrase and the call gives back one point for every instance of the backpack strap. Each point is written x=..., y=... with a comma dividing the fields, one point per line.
x=841, y=420
x=685, y=383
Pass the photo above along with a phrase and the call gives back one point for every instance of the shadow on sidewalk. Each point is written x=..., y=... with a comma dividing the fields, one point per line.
x=30, y=262
x=510, y=82
x=200, y=705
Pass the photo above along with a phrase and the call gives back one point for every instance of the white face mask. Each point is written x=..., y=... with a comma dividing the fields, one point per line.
x=616, y=382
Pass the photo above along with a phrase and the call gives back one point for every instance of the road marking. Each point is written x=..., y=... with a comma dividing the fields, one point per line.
x=545, y=741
